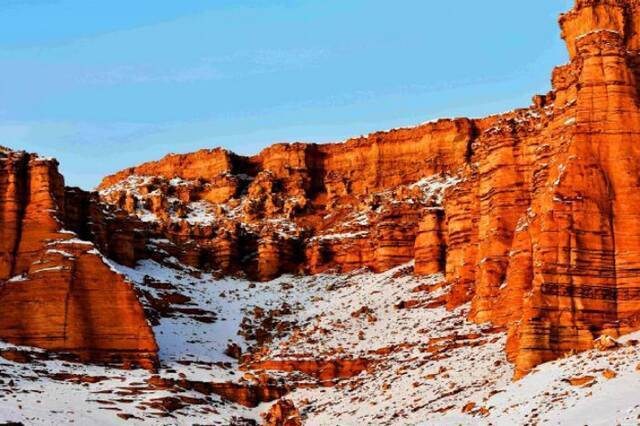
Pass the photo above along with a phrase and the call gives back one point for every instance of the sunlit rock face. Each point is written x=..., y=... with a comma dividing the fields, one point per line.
x=531, y=215
x=297, y=207
x=57, y=291
x=546, y=223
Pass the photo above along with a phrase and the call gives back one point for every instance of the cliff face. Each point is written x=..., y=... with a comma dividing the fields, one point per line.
x=558, y=260
x=56, y=291
x=297, y=207
x=532, y=215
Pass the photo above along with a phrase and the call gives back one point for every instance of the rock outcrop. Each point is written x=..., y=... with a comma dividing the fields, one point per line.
x=297, y=207
x=532, y=215
x=560, y=263
x=57, y=291
x=283, y=413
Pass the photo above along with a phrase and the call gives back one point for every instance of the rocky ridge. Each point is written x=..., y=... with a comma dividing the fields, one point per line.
x=531, y=214
x=396, y=257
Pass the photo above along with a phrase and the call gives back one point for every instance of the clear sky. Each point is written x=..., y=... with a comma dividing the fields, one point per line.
x=102, y=85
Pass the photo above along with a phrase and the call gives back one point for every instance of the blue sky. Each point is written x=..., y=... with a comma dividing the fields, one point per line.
x=102, y=85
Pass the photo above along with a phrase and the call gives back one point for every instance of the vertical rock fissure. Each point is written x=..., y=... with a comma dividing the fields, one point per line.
x=23, y=193
x=72, y=278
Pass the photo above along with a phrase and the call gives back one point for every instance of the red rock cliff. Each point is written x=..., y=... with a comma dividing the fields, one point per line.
x=56, y=291
x=298, y=206
x=532, y=215
x=550, y=248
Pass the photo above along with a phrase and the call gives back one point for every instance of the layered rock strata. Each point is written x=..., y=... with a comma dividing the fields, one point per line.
x=296, y=207
x=532, y=215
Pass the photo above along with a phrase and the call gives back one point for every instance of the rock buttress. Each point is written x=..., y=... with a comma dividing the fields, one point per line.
x=556, y=198
x=58, y=292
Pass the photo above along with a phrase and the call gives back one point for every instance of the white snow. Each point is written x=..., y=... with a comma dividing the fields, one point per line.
x=200, y=213
x=71, y=241
x=430, y=362
x=340, y=236
x=434, y=186
x=52, y=268
x=476, y=371
x=18, y=278
x=61, y=253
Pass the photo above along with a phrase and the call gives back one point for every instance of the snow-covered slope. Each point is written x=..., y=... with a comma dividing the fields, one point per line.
x=426, y=365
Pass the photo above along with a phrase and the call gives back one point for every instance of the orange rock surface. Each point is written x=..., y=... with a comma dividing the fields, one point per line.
x=532, y=215
x=323, y=370
x=57, y=292
x=283, y=413
x=248, y=394
x=296, y=207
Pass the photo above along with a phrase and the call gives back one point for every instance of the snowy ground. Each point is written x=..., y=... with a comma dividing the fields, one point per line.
x=39, y=393
x=429, y=363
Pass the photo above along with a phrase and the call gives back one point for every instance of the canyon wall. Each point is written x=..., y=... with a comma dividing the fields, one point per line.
x=559, y=266
x=531, y=215
x=296, y=207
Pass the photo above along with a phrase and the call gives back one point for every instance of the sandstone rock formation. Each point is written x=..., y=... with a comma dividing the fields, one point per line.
x=570, y=262
x=532, y=215
x=57, y=292
x=297, y=207
x=283, y=413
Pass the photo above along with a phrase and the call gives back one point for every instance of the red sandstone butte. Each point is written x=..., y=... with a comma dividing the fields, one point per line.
x=58, y=292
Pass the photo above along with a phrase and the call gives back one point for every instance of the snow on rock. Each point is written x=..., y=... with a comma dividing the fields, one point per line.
x=434, y=186
x=428, y=365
